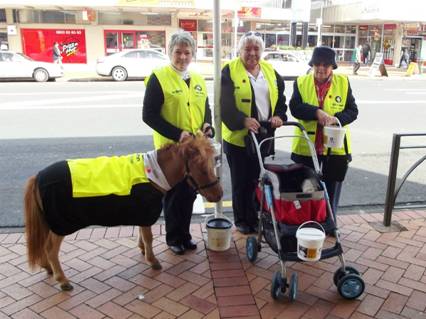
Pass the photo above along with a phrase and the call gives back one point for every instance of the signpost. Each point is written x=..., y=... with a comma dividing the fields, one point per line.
x=378, y=65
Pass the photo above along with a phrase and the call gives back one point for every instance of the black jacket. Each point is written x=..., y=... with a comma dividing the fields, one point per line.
x=234, y=118
x=151, y=112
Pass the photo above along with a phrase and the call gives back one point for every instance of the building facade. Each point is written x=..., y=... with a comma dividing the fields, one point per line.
x=88, y=30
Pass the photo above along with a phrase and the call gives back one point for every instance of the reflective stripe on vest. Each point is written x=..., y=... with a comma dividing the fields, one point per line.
x=104, y=175
x=334, y=102
x=243, y=96
x=183, y=107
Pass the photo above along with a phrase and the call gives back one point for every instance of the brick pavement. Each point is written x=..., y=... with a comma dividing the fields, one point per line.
x=109, y=274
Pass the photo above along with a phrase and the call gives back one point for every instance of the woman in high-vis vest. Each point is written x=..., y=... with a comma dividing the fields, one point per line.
x=319, y=99
x=252, y=91
x=176, y=106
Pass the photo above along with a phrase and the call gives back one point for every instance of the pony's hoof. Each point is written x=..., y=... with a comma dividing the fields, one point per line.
x=156, y=266
x=67, y=287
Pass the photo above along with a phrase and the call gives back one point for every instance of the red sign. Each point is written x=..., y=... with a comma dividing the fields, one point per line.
x=188, y=25
x=38, y=44
x=389, y=26
x=249, y=12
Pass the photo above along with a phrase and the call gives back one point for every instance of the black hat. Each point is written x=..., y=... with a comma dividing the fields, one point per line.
x=323, y=54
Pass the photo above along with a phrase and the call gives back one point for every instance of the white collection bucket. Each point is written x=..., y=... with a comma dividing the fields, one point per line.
x=310, y=241
x=218, y=233
x=334, y=135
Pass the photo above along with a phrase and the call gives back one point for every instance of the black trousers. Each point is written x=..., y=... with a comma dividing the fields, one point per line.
x=244, y=174
x=178, y=205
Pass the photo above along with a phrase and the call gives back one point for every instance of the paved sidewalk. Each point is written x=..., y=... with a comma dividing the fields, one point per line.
x=109, y=274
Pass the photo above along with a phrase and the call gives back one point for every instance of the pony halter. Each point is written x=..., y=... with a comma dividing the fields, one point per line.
x=194, y=184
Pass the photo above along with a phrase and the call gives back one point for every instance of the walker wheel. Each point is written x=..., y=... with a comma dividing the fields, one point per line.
x=278, y=286
x=351, y=286
x=292, y=293
x=251, y=248
x=341, y=272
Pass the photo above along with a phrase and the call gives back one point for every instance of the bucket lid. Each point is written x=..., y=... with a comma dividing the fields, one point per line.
x=308, y=233
x=219, y=223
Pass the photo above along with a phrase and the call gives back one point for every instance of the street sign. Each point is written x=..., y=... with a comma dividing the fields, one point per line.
x=378, y=65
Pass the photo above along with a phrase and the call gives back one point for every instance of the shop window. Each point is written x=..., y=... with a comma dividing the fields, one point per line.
x=270, y=41
x=2, y=15
x=205, y=26
x=283, y=39
x=160, y=19
x=327, y=40
x=47, y=16
x=128, y=40
x=312, y=40
x=111, y=42
x=351, y=29
x=151, y=39
x=338, y=42
x=286, y=4
x=349, y=42
x=339, y=29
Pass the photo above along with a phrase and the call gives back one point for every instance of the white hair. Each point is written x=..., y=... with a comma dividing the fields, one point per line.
x=251, y=37
x=181, y=37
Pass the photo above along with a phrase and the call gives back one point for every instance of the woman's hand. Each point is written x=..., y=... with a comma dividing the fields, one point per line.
x=276, y=121
x=251, y=124
x=184, y=135
x=325, y=119
x=208, y=130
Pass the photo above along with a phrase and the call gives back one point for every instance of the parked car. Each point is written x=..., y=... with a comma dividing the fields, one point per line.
x=286, y=64
x=19, y=66
x=134, y=63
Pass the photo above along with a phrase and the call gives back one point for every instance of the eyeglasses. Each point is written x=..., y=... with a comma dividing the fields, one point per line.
x=250, y=33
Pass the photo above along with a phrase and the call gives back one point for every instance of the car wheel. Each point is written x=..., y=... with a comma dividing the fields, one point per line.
x=41, y=75
x=119, y=74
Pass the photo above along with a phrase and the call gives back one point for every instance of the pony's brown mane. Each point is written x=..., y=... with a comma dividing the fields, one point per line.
x=198, y=149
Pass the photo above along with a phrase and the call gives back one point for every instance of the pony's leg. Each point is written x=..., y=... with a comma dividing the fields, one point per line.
x=52, y=252
x=145, y=243
x=45, y=264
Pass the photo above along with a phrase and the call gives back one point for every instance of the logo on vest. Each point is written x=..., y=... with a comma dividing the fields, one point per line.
x=338, y=99
x=198, y=88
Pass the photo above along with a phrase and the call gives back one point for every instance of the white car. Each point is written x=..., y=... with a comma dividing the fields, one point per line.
x=19, y=66
x=286, y=64
x=135, y=63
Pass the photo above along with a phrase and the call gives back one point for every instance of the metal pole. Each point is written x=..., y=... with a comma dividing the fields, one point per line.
x=390, y=191
x=236, y=24
x=217, y=72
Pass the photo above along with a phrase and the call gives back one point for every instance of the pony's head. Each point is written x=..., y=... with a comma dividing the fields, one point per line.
x=200, y=165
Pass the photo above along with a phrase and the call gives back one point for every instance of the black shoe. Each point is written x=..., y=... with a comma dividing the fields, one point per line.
x=190, y=245
x=177, y=249
x=243, y=229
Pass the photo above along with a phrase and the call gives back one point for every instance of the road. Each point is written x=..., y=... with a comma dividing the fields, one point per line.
x=44, y=122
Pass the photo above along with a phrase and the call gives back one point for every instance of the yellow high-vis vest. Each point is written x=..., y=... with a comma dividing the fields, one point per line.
x=243, y=96
x=183, y=107
x=334, y=102
x=104, y=175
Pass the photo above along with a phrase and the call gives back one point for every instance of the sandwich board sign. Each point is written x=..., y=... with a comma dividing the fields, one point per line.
x=378, y=65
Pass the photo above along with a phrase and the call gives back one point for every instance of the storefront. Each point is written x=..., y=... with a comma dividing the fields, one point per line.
x=119, y=40
x=3, y=30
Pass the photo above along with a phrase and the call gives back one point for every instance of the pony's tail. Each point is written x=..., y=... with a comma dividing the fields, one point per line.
x=36, y=230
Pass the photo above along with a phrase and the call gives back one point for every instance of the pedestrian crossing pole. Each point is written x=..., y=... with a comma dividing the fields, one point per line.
x=217, y=58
